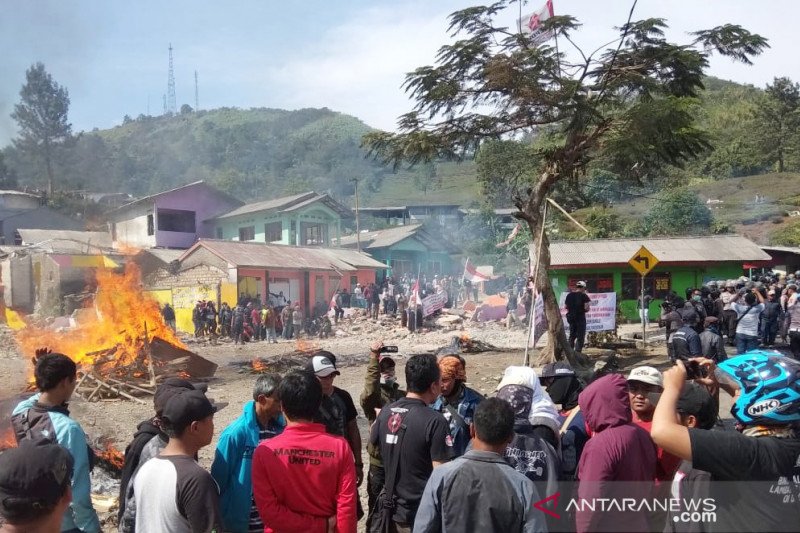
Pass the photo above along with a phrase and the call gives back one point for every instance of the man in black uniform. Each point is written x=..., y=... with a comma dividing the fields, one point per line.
x=577, y=303
x=410, y=433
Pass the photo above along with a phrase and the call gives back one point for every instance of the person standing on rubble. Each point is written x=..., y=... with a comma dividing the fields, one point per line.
x=297, y=320
x=225, y=319
x=286, y=320
x=197, y=318
x=168, y=314
x=269, y=320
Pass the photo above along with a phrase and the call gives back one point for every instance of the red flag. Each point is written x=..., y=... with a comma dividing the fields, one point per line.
x=471, y=273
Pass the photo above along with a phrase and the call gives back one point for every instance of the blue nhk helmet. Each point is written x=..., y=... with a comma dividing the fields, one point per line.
x=770, y=388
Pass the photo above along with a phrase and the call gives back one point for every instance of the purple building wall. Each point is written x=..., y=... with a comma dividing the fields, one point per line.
x=205, y=201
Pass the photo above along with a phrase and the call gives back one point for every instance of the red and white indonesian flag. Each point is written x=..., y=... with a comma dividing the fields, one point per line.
x=531, y=24
x=471, y=273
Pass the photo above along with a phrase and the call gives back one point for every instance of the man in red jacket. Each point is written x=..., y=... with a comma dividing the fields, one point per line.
x=304, y=479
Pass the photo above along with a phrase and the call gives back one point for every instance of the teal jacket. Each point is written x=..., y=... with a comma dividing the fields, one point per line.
x=69, y=434
x=232, y=463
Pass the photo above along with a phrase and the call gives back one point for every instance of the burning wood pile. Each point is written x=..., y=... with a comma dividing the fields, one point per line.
x=122, y=347
x=465, y=344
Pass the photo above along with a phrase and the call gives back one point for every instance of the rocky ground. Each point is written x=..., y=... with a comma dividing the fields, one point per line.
x=116, y=420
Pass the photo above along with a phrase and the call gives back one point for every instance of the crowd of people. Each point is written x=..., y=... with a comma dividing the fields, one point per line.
x=744, y=314
x=442, y=457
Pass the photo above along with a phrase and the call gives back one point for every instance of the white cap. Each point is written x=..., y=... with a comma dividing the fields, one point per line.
x=646, y=374
x=322, y=366
x=581, y=284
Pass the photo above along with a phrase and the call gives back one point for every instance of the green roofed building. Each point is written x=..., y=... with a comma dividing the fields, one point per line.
x=409, y=249
x=684, y=262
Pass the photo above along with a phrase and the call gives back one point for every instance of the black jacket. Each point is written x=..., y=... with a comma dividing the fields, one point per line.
x=144, y=432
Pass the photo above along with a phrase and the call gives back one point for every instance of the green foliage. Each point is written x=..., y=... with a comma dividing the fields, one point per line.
x=678, y=212
x=778, y=119
x=603, y=224
x=41, y=116
x=8, y=180
x=788, y=235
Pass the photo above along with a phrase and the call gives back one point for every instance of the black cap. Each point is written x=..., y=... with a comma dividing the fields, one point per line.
x=557, y=369
x=695, y=400
x=185, y=407
x=33, y=478
x=170, y=387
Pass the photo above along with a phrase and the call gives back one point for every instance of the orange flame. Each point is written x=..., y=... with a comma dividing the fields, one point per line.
x=306, y=346
x=259, y=366
x=117, y=326
x=7, y=439
x=112, y=456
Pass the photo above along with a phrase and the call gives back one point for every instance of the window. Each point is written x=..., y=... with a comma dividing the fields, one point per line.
x=273, y=231
x=400, y=267
x=434, y=267
x=314, y=234
x=656, y=284
x=151, y=229
x=247, y=233
x=176, y=220
x=219, y=233
x=603, y=282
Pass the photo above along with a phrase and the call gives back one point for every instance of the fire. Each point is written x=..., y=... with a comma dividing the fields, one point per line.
x=464, y=338
x=184, y=375
x=7, y=439
x=306, y=346
x=112, y=456
x=259, y=366
x=117, y=326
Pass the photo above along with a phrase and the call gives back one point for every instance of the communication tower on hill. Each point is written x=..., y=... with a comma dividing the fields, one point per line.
x=196, y=93
x=171, y=105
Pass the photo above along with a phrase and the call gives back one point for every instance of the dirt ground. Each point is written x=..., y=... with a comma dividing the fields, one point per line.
x=233, y=382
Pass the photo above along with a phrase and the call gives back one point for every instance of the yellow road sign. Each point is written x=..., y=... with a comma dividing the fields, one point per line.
x=643, y=261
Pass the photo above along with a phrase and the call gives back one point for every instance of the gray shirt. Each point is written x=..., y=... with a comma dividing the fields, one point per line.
x=479, y=491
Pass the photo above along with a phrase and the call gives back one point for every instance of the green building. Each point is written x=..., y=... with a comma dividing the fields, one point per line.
x=307, y=219
x=408, y=249
x=684, y=262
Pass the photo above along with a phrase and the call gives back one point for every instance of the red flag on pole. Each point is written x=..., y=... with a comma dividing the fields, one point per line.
x=471, y=273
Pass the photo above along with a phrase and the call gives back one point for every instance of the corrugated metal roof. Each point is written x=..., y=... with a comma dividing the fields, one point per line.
x=278, y=256
x=199, y=183
x=711, y=249
x=786, y=249
x=99, y=239
x=287, y=204
x=371, y=240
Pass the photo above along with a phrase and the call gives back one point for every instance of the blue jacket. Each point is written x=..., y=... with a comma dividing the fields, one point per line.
x=232, y=463
x=68, y=433
x=466, y=410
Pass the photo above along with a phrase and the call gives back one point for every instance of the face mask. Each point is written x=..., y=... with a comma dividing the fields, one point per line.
x=388, y=378
x=696, y=298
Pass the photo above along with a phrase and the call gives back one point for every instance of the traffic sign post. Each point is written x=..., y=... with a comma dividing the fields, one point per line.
x=643, y=261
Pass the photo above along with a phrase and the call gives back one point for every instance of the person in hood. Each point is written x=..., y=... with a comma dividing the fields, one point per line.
x=619, y=450
x=261, y=419
x=380, y=389
x=686, y=342
x=534, y=450
x=148, y=441
x=564, y=387
x=457, y=402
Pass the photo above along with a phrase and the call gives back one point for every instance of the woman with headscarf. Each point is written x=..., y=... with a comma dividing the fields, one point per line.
x=457, y=402
x=535, y=450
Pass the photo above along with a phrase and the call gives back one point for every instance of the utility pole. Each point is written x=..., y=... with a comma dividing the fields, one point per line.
x=196, y=94
x=358, y=228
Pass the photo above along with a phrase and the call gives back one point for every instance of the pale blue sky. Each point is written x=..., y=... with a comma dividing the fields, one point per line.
x=348, y=55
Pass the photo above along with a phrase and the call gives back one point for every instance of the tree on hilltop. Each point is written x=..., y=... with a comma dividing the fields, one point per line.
x=629, y=102
x=42, y=118
x=778, y=116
